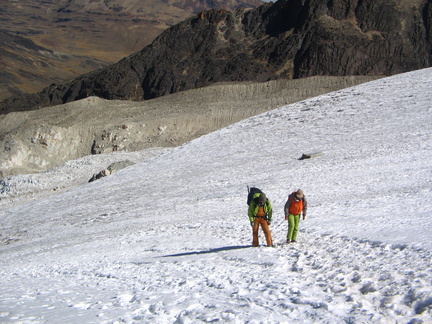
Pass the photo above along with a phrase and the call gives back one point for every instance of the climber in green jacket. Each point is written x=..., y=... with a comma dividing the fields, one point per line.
x=260, y=213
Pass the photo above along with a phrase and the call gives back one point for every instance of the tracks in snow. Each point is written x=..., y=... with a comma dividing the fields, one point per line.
x=320, y=278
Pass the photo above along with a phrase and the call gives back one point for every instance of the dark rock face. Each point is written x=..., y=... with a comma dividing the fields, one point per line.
x=427, y=18
x=287, y=39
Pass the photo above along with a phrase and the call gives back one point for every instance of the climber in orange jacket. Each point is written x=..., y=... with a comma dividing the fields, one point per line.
x=295, y=206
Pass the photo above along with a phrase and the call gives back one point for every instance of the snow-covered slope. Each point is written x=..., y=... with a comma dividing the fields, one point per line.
x=168, y=240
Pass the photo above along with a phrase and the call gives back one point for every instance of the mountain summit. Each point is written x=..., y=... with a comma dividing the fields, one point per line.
x=287, y=39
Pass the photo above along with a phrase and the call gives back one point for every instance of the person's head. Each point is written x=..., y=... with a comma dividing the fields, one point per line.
x=299, y=194
x=262, y=199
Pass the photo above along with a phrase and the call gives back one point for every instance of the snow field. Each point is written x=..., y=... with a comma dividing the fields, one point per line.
x=168, y=240
x=324, y=278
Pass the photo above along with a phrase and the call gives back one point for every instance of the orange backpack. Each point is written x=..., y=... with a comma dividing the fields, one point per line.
x=296, y=206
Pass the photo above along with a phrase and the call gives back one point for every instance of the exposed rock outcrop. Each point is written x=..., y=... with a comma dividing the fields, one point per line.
x=116, y=166
x=287, y=39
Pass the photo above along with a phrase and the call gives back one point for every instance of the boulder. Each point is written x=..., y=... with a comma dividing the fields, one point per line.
x=111, y=169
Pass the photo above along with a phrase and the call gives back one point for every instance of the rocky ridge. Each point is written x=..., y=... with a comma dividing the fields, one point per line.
x=287, y=39
x=34, y=141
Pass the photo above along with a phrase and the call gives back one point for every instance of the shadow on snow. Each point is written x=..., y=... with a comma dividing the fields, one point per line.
x=225, y=248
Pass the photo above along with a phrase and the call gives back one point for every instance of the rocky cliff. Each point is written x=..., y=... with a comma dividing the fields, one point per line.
x=287, y=39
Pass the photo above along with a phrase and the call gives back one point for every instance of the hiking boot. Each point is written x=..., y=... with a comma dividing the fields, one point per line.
x=293, y=241
x=288, y=241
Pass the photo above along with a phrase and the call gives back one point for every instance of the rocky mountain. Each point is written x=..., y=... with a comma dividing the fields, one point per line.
x=287, y=39
x=72, y=37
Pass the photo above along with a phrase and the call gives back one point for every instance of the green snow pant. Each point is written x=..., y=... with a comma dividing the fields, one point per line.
x=293, y=226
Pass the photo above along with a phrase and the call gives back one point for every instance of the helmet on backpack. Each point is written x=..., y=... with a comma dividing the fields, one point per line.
x=262, y=199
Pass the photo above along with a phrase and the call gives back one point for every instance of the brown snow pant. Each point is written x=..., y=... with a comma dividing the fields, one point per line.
x=266, y=230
